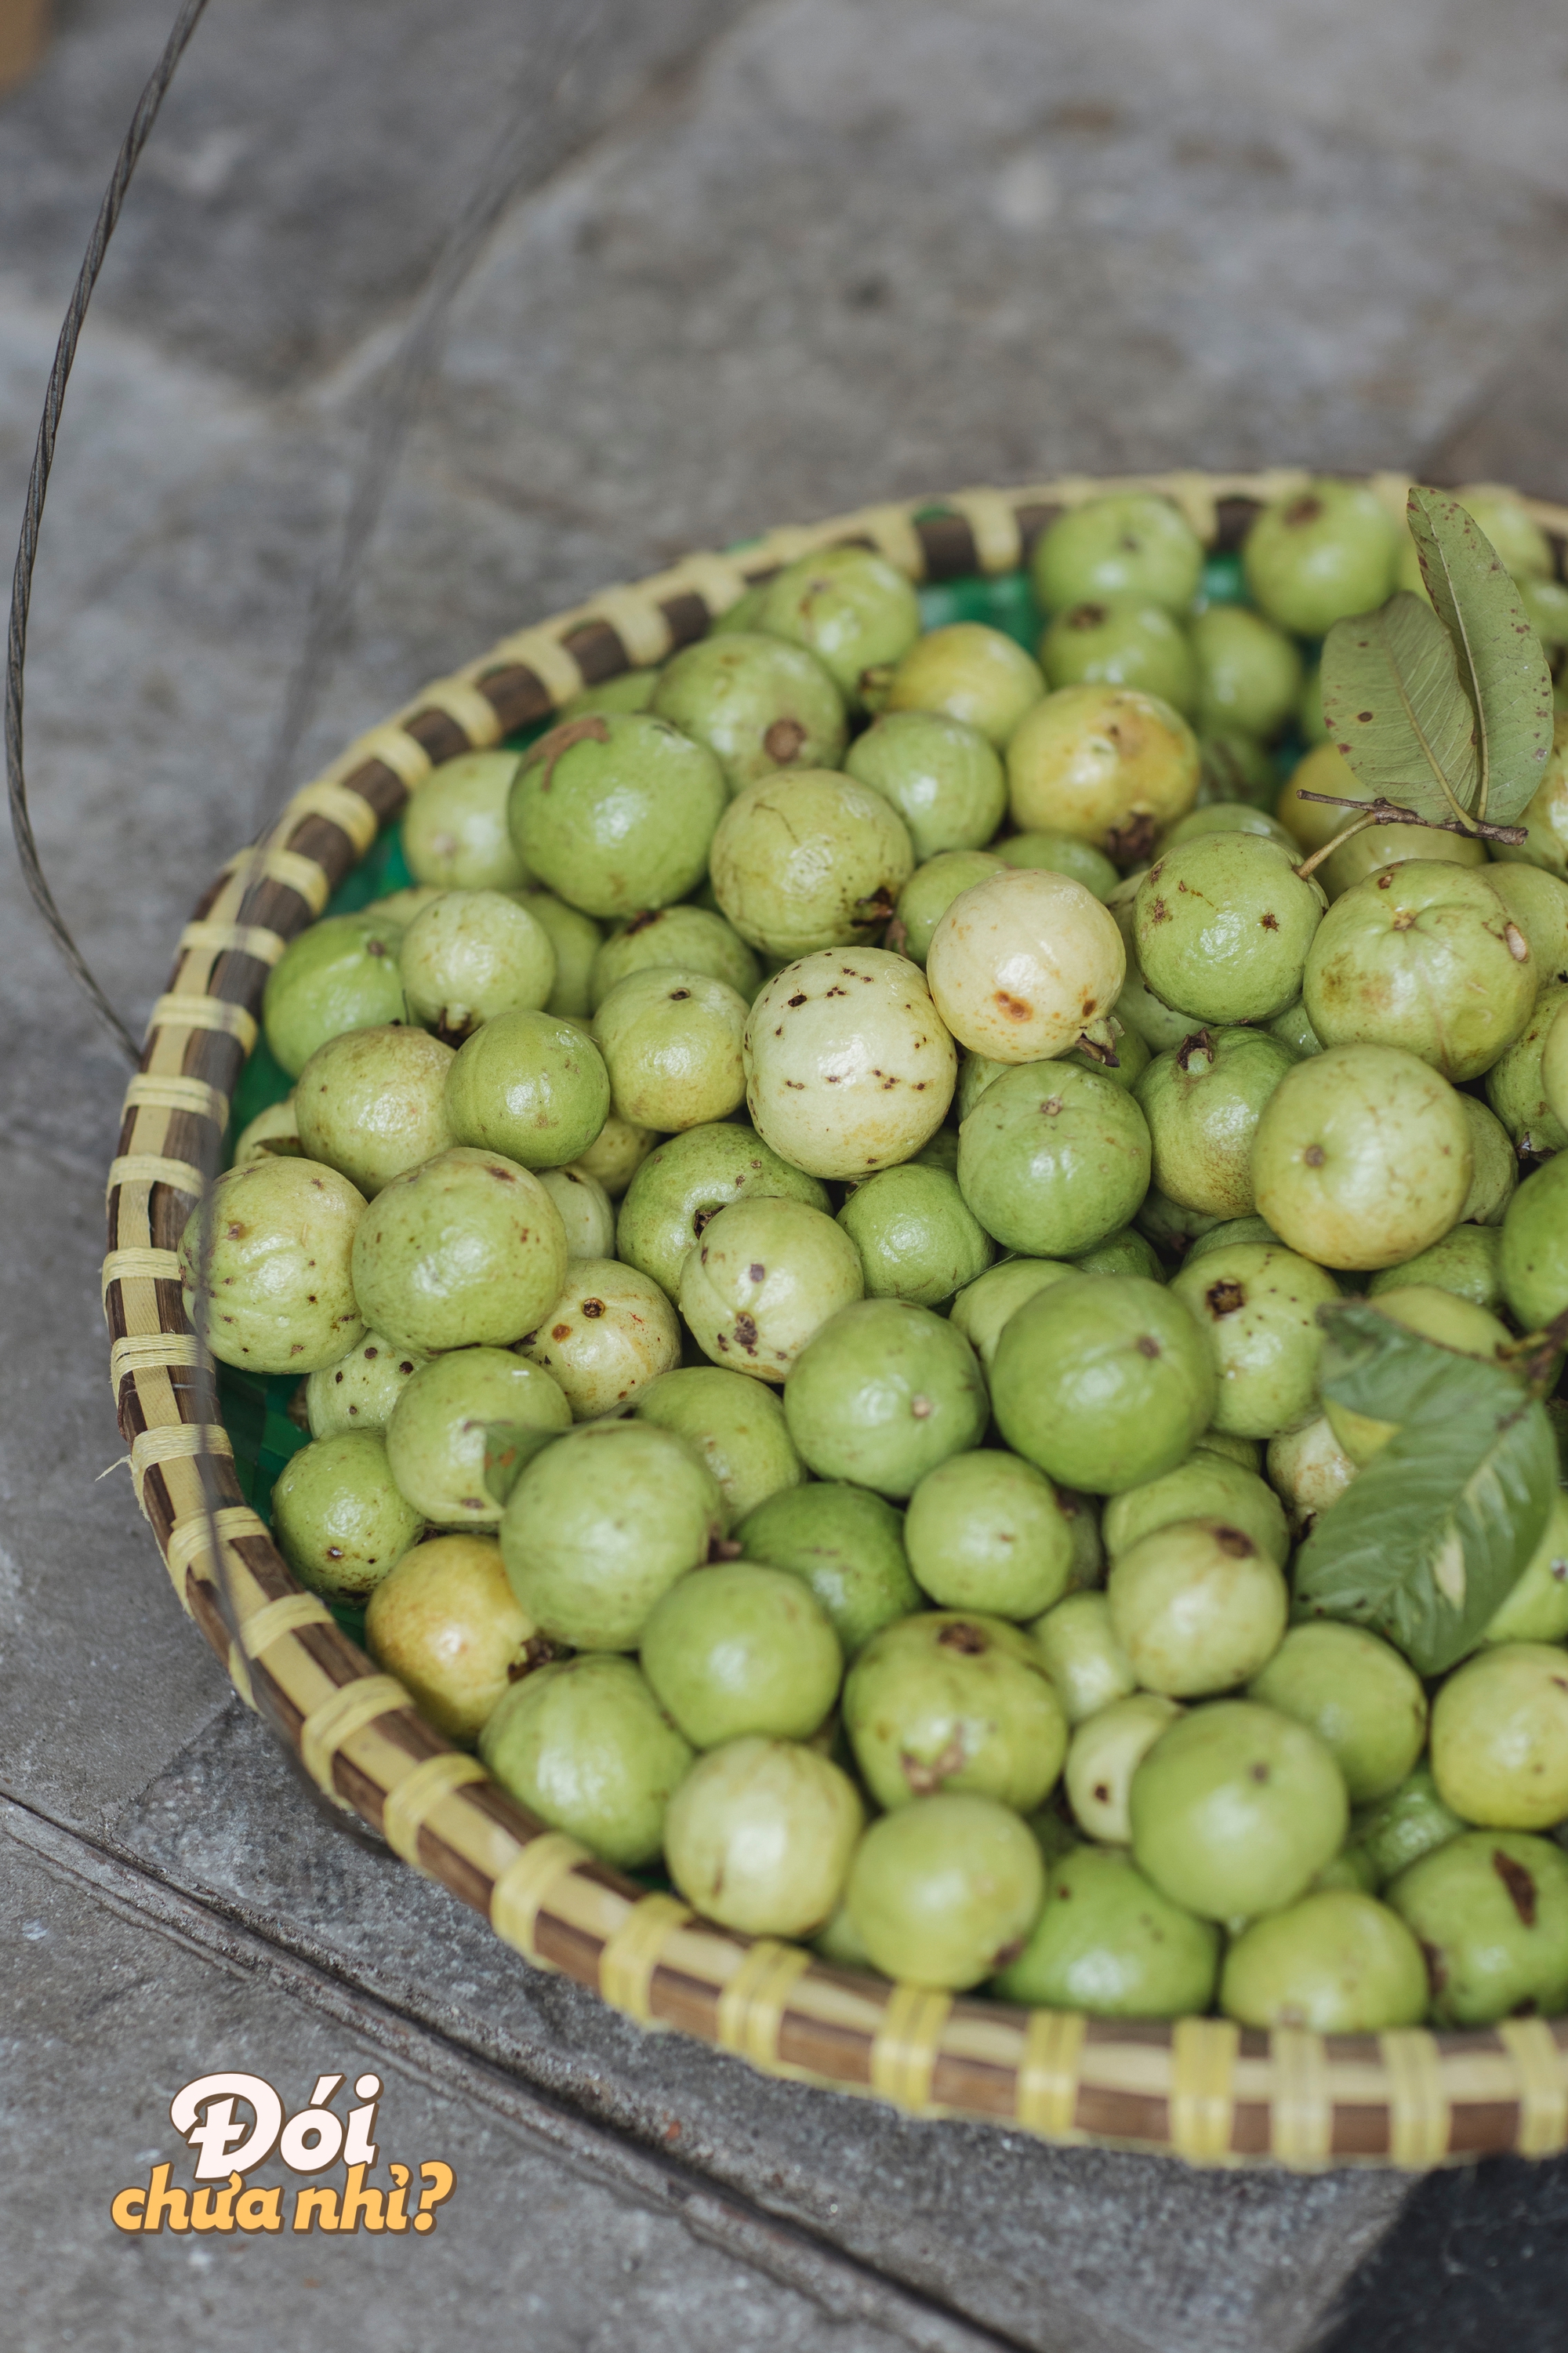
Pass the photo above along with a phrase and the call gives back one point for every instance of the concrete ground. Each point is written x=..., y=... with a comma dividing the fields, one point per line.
x=759, y=262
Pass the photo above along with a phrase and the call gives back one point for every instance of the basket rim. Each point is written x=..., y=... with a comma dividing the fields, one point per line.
x=1198, y=2087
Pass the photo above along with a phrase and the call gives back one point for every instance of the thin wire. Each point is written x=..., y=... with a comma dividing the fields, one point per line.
x=136, y=138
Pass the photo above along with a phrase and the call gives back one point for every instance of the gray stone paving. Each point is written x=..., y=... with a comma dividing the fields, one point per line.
x=767, y=262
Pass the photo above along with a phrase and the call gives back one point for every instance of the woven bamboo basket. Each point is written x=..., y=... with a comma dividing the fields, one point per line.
x=1201, y=2088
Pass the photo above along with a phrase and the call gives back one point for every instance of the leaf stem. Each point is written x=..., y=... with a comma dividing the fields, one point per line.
x=1386, y=812
x=1310, y=865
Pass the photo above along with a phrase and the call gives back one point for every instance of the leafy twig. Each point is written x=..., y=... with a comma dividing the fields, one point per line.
x=1386, y=812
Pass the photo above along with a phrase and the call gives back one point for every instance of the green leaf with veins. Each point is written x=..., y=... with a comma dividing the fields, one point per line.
x=1374, y=1365
x=1393, y=705
x=1500, y=666
x=1428, y=1539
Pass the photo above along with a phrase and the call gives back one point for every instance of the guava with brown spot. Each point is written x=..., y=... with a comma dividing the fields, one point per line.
x=610, y=1332
x=945, y=1894
x=1336, y=1963
x=586, y=1747
x=760, y=1836
x=671, y=1043
x=736, y=1426
x=1122, y=641
x=340, y=973
x=531, y=1085
x=359, y=1391
x=847, y=605
x=1197, y=1606
x=1360, y=1697
x=692, y=939
x=446, y=1624
x=617, y=811
x=954, y=1699
x=1025, y=964
x=1122, y=543
x=371, y=1103
x=1499, y=1737
x=806, y=859
x=984, y=1531
x=338, y=1515
x=1490, y=1910
x=765, y=1275
x=757, y=702
x=1362, y=1157
x=685, y=1182
x=1202, y=1101
x=1105, y=764
x=435, y=1433
x=467, y=1250
x=1210, y=1485
x=1422, y=956
x=265, y=1266
x=915, y=1234
x=1256, y=1306
x=1318, y=555
x=849, y=1067
x=1223, y=925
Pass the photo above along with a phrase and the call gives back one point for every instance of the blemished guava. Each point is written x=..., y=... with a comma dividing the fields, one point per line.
x=984, y=1531
x=445, y=1622
x=1053, y=1159
x=266, y=1264
x=435, y=1433
x=1235, y=1808
x=471, y=954
x=1202, y=1101
x=1122, y=641
x=601, y=1525
x=1105, y=1751
x=882, y=1393
x=455, y=831
x=944, y=1894
x=1499, y=1737
x=615, y=811
x=1256, y=1306
x=1210, y=1485
x=360, y=1389
x=1024, y=963
x=1103, y=1381
x=739, y=1649
x=760, y=1837
x=767, y=1273
x=684, y=938
x=1425, y=956
x=583, y=1745
x=756, y=703
x=1362, y=1157
x=371, y=1103
x=1360, y=1697
x=736, y=1426
x=1105, y=764
x=671, y=1043
x=970, y=672
x=1336, y=1963
x=850, y=608
x=949, y=1699
x=684, y=1183
x=847, y=1547
x=467, y=1250
x=1125, y=544
x=1108, y=1942
x=608, y=1334
x=1318, y=555
x=1223, y=925
x=1197, y=1606
x=849, y=1067
x=340, y=1521
x=1490, y=1910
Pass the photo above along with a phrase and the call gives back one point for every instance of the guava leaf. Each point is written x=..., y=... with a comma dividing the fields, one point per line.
x=509, y=1448
x=1377, y=1367
x=1431, y=1536
x=1501, y=665
x=1394, y=705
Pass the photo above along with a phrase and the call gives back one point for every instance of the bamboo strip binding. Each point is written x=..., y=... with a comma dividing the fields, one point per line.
x=1203, y=2088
